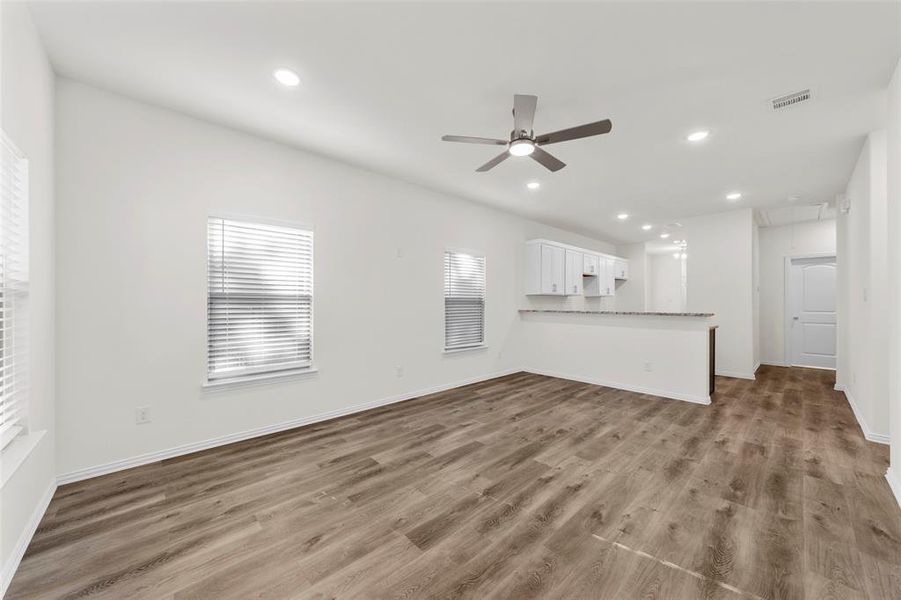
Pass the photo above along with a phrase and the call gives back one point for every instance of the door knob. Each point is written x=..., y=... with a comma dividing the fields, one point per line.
x=795, y=318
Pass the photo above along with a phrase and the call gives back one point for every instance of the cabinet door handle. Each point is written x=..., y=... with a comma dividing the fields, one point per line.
x=555, y=287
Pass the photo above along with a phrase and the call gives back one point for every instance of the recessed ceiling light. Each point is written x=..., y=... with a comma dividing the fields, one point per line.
x=664, y=235
x=286, y=77
x=522, y=148
x=622, y=216
x=647, y=227
x=533, y=185
x=733, y=196
x=697, y=136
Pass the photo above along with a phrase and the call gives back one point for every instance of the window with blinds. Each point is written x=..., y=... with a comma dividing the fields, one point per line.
x=464, y=300
x=260, y=299
x=13, y=292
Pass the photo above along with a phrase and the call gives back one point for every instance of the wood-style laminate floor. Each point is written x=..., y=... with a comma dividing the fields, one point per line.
x=520, y=487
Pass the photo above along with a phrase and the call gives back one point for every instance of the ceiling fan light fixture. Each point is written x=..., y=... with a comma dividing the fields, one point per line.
x=521, y=147
x=524, y=143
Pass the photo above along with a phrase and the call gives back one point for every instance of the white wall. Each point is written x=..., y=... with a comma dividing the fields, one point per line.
x=894, y=277
x=720, y=280
x=665, y=283
x=26, y=115
x=135, y=186
x=863, y=290
x=631, y=294
x=777, y=243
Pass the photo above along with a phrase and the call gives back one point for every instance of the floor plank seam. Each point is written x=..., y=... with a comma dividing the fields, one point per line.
x=672, y=565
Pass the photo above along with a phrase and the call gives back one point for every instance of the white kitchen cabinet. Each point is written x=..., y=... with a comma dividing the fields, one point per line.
x=553, y=269
x=590, y=264
x=574, y=266
x=545, y=269
x=602, y=284
x=607, y=277
x=558, y=269
x=620, y=268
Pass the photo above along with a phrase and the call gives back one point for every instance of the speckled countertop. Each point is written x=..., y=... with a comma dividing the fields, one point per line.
x=616, y=312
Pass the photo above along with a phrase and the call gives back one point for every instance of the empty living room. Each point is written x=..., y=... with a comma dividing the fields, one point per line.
x=433, y=299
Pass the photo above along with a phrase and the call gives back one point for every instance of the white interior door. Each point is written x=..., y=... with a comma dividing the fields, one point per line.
x=812, y=312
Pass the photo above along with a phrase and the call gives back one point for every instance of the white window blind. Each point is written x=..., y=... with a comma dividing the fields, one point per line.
x=260, y=300
x=464, y=300
x=13, y=292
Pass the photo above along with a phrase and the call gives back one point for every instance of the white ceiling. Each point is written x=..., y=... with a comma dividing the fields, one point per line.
x=382, y=82
x=776, y=216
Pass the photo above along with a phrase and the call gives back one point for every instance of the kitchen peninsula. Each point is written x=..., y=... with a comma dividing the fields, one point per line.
x=657, y=353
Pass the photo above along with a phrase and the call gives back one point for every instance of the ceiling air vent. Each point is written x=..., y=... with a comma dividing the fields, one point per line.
x=790, y=99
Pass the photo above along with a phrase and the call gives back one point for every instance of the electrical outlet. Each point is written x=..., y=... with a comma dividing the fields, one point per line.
x=400, y=253
x=142, y=415
x=648, y=367
x=399, y=371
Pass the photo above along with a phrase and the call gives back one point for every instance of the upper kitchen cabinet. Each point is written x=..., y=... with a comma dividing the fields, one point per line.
x=603, y=284
x=557, y=269
x=545, y=269
x=590, y=264
x=574, y=267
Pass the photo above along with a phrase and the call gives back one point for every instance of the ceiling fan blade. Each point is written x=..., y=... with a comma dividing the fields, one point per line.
x=466, y=139
x=549, y=162
x=494, y=162
x=574, y=133
x=524, y=112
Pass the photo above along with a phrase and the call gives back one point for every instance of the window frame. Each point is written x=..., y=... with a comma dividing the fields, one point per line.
x=23, y=297
x=262, y=374
x=484, y=343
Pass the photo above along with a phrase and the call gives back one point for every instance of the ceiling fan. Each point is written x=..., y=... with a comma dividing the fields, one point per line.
x=524, y=142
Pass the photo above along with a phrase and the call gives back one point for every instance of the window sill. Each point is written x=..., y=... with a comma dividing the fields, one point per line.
x=262, y=378
x=13, y=456
x=466, y=349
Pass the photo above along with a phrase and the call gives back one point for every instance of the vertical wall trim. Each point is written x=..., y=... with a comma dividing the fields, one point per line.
x=12, y=563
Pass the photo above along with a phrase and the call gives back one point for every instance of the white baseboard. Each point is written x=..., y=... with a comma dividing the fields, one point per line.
x=894, y=483
x=620, y=386
x=772, y=363
x=736, y=375
x=868, y=433
x=756, y=367
x=12, y=563
x=183, y=449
